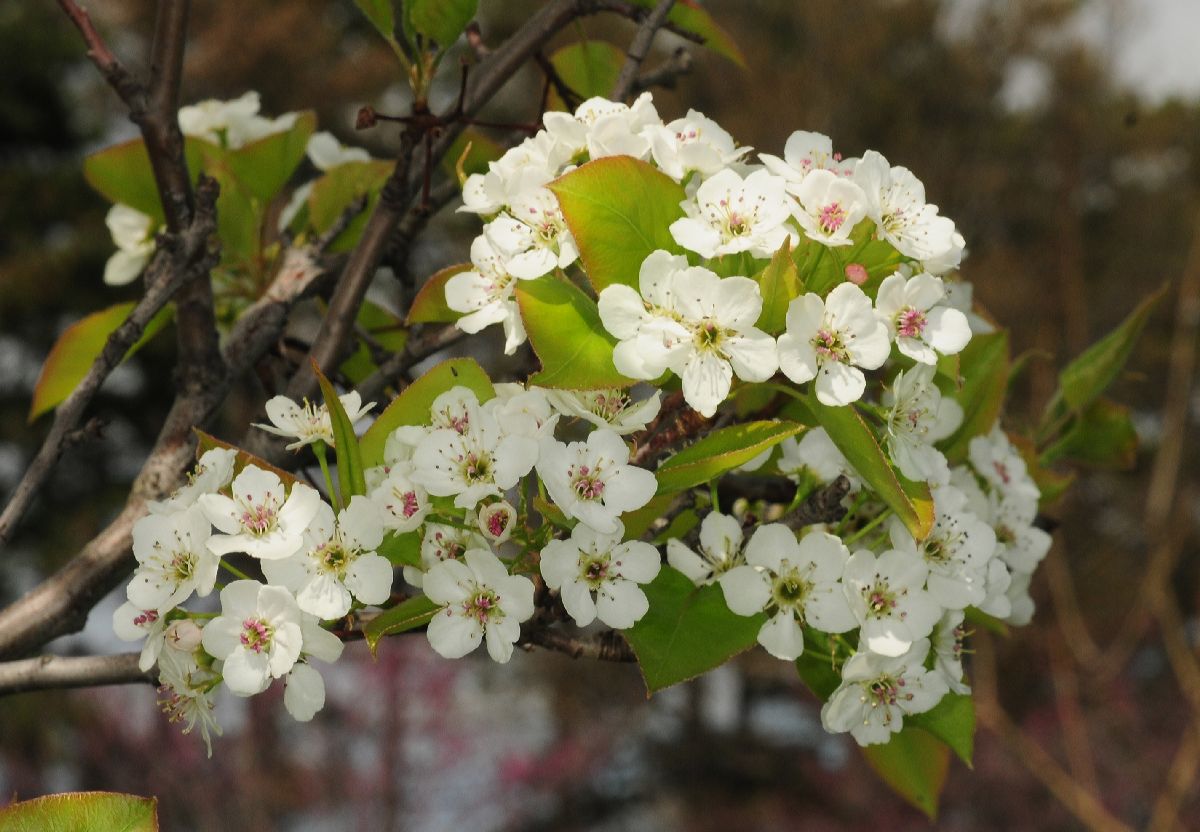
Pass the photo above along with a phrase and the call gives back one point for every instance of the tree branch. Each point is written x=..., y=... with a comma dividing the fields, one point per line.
x=665, y=76
x=51, y=672
x=608, y=646
x=640, y=48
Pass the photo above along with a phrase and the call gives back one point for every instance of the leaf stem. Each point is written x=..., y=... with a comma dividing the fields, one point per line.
x=320, y=452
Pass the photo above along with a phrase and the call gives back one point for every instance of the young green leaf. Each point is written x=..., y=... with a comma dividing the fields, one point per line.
x=953, y=722
x=441, y=21
x=351, y=479
x=401, y=549
x=687, y=631
x=381, y=14
x=619, y=210
x=412, y=406
x=721, y=451
x=122, y=173
x=983, y=367
x=563, y=325
x=1102, y=436
x=589, y=68
x=91, y=811
x=77, y=349
x=914, y=764
x=333, y=193
x=413, y=613
x=429, y=306
x=691, y=18
x=854, y=438
x=779, y=283
x=265, y=166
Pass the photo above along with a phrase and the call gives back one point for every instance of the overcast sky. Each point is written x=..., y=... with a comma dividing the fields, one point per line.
x=1157, y=47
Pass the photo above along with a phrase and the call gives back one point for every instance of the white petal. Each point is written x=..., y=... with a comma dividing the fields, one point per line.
x=304, y=693
x=746, y=590
x=782, y=637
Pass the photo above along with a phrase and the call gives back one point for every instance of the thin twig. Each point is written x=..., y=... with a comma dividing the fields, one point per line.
x=640, y=48
x=52, y=672
x=667, y=75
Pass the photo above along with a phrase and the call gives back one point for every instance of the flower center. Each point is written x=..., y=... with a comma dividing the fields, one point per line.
x=886, y=691
x=446, y=547
x=586, y=482
x=1002, y=472
x=497, y=522
x=259, y=519
x=257, y=635
x=477, y=467
x=333, y=557
x=828, y=345
x=407, y=502
x=881, y=600
x=790, y=590
x=483, y=606
x=147, y=618
x=183, y=565
x=594, y=570
x=910, y=322
x=609, y=404
x=832, y=217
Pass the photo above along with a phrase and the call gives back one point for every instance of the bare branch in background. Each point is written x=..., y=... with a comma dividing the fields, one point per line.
x=640, y=48
x=50, y=672
x=667, y=75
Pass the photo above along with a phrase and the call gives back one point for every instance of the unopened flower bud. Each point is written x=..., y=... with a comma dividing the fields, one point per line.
x=856, y=273
x=496, y=521
x=183, y=635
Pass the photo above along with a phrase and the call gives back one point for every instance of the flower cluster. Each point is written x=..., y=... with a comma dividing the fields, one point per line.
x=502, y=501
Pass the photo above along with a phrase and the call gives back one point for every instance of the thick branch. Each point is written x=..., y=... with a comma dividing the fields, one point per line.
x=49, y=672
x=640, y=48
x=178, y=260
x=609, y=646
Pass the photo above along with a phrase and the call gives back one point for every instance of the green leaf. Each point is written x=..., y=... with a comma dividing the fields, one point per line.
x=206, y=442
x=239, y=218
x=80, y=811
x=332, y=194
x=413, y=613
x=385, y=329
x=401, y=549
x=983, y=367
x=818, y=267
x=854, y=438
x=721, y=451
x=914, y=764
x=952, y=720
x=564, y=329
x=470, y=153
x=442, y=21
x=680, y=525
x=589, y=67
x=381, y=14
x=619, y=210
x=692, y=18
x=816, y=667
x=639, y=521
x=779, y=283
x=1083, y=380
x=77, y=349
x=429, y=306
x=351, y=478
x=412, y=406
x=974, y=615
x=265, y=166
x=687, y=631
x=1101, y=436
x=122, y=173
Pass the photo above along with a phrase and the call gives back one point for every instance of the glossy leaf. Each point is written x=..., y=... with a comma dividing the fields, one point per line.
x=351, y=478
x=412, y=406
x=589, y=67
x=914, y=764
x=401, y=549
x=639, y=521
x=721, y=451
x=687, y=631
x=79, y=811
x=381, y=14
x=854, y=438
x=564, y=330
x=385, y=329
x=816, y=666
x=619, y=210
x=408, y=615
x=1101, y=436
x=441, y=21
x=122, y=173
x=952, y=720
x=983, y=368
x=1083, y=380
x=779, y=283
x=691, y=18
x=429, y=306
x=206, y=442
x=265, y=166
x=77, y=349
x=333, y=193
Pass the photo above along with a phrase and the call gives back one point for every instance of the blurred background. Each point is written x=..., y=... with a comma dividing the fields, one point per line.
x=1064, y=140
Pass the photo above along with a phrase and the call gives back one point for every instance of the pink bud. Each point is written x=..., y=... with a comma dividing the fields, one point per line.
x=183, y=635
x=856, y=273
x=496, y=521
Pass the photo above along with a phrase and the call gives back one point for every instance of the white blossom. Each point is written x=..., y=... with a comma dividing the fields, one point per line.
x=258, y=520
x=877, y=692
x=304, y=689
x=1020, y=600
x=593, y=481
x=996, y=460
x=947, y=640
x=308, y=422
x=730, y=215
x=402, y=503
x=440, y=542
x=896, y=203
x=645, y=321
x=131, y=623
x=816, y=454
x=597, y=575
x=257, y=635
x=833, y=341
x=523, y=412
x=133, y=234
x=533, y=236
x=185, y=694
x=1020, y=543
x=486, y=295
x=173, y=559
x=608, y=408
x=233, y=123
x=521, y=169
x=887, y=596
x=326, y=152
x=915, y=315
x=692, y=143
x=804, y=153
x=720, y=550
x=480, y=601
x=829, y=207
x=338, y=561
x=795, y=583
x=213, y=472
x=917, y=417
